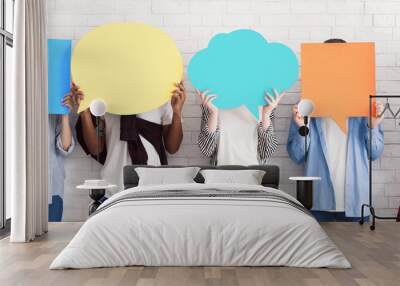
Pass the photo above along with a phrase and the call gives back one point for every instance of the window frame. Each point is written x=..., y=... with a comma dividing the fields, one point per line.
x=6, y=39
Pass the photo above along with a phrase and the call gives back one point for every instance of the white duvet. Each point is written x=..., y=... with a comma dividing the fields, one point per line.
x=200, y=231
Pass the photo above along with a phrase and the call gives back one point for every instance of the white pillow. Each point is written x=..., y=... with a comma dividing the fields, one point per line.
x=166, y=176
x=248, y=177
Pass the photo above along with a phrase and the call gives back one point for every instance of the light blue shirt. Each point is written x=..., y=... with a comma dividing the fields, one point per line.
x=56, y=156
x=357, y=179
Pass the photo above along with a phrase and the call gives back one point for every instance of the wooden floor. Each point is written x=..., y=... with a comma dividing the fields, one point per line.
x=375, y=257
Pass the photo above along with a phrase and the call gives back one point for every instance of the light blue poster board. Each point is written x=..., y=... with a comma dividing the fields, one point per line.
x=59, y=74
x=239, y=67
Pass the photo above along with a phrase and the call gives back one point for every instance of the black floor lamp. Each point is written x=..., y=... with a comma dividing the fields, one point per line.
x=305, y=108
x=98, y=108
x=304, y=185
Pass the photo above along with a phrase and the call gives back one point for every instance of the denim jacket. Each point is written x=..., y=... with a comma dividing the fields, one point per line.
x=56, y=156
x=357, y=166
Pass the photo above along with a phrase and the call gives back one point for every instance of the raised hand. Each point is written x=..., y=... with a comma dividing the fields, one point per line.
x=77, y=95
x=178, y=98
x=378, y=118
x=68, y=102
x=207, y=101
x=296, y=116
x=272, y=101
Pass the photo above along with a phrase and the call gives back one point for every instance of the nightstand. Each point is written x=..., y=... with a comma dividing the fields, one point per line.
x=96, y=193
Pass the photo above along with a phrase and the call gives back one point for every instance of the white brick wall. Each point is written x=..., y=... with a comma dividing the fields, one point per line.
x=192, y=22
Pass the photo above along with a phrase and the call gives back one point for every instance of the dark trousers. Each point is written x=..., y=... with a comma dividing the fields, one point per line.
x=323, y=216
x=56, y=209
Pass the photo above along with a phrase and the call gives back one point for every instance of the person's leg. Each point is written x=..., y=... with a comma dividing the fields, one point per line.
x=341, y=216
x=56, y=209
x=323, y=216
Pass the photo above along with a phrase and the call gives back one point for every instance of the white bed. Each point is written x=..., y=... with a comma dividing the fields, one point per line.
x=267, y=229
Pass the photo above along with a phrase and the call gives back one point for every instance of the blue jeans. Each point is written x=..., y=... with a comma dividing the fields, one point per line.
x=56, y=209
x=323, y=216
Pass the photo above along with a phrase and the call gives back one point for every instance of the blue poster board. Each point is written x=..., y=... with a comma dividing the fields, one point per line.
x=59, y=74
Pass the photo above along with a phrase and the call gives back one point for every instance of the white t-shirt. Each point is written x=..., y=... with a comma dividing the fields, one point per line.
x=336, y=146
x=238, y=137
x=117, y=150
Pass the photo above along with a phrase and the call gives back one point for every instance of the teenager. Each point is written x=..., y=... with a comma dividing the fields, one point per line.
x=235, y=136
x=61, y=144
x=120, y=140
x=341, y=160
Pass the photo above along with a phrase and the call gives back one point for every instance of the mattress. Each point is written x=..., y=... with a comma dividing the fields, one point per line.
x=201, y=225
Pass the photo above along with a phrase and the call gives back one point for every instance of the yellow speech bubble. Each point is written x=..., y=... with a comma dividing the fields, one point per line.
x=130, y=66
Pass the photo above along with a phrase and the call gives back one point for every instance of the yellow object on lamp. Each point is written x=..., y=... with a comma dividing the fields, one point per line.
x=131, y=66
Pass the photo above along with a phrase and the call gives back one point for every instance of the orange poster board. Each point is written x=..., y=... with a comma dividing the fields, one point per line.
x=338, y=78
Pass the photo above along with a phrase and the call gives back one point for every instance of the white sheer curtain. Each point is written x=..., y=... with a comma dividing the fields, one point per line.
x=27, y=123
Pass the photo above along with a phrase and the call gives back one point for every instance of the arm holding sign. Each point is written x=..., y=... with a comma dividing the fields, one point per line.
x=377, y=120
x=65, y=140
x=211, y=111
x=377, y=133
x=272, y=104
x=173, y=133
x=267, y=142
x=209, y=125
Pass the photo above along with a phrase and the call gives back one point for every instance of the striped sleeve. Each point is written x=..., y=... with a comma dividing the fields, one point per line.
x=207, y=140
x=267, y=141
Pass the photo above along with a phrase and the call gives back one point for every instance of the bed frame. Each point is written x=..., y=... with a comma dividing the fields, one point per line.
x=270, y=179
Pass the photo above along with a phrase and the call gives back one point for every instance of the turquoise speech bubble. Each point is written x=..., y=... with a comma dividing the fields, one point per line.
x=240, y=67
